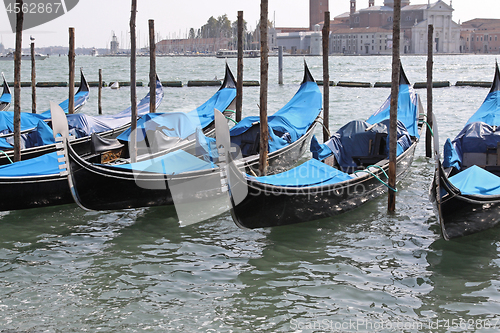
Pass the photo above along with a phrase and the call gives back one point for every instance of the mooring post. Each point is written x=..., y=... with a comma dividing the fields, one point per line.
x=33, y=77
x=326, y=78
x=430, y=63
x=264, y=64
x=396, y=30
x=152, y=67
x=280, y=64
x=99, y=93
x=71, y=60
x=17, y=82
x=133, y=97
x=239, y=80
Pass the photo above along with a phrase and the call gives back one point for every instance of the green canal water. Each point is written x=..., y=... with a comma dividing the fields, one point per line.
x=63, y=269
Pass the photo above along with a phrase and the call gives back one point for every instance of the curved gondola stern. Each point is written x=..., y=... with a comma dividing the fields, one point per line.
x=84, y=85
x=61, y=136
x=229, y=81
x=496, y=80
x=307, y=74
x=6, y=97
x=403, y=79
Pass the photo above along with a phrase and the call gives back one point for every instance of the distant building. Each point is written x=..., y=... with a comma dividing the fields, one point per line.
x=480, y=36
x=317, y=9
x=369, y=30
x=114, y=45
x=193, y=45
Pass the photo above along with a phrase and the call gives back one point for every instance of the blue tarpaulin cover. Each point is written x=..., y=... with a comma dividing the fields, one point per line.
x=80, y=99
x=479, y=132
x=172, y=163
x=6, y=98
x=476, y=181
x=80, y=125
x=353, y=140
x=43, y=165
x=474, y=138
x=310, y=173
x=407, y=109
x=286, y=125
x=180, y=124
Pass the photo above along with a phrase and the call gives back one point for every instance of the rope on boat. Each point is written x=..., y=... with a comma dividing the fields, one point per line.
x=229, y=118
x=376, y=177
x=425, y=122
x=326, y=129
x=7, y=156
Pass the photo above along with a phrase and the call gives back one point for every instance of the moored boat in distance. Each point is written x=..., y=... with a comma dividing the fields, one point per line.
x=10, y=56
x=465, y=190
x=223, y=53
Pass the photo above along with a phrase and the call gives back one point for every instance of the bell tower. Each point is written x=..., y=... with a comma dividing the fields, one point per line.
x=317, y=9
x=353, y=6
x=371, y=3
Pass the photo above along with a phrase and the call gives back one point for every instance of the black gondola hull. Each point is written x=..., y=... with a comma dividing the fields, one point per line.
x=31, y=192
x=461, y=215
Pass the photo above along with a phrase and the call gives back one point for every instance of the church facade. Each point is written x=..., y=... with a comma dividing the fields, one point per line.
x=368, y=31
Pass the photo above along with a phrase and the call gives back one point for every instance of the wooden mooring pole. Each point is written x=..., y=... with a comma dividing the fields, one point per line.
x=239, y=79
x=33, y=77
x=71, y=61
x=99, y=93
x=280, y=64
x=391, y=204
x=264, y=66
x=133, y=97
x=17, y=82
x=326, y=78
x=152, y=67
x=430, y=63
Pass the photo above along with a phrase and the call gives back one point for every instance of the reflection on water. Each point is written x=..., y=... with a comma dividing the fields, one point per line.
x=66, y=270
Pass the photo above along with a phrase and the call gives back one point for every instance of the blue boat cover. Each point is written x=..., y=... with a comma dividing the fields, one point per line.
x=476, y=181
x=489, y=112
x=80, y=125
x=407, y=109
x=28, y=121
x=39, y=166
x=169, y=164
x=180, y=124
x=310, y=173
x=475, y=137
x=5, y=98
x=80, y=99
x=285, y=126
x=353, y=140
x=479, y=132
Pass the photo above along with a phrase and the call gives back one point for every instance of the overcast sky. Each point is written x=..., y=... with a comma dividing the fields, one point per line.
x=94, y=20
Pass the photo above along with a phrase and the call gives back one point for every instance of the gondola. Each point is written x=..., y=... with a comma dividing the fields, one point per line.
x=37, y=139
x=30, y=120
x=465, y=191
x=37, y=182
x=6, y=97
x=155, y=182
x=345, y=172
